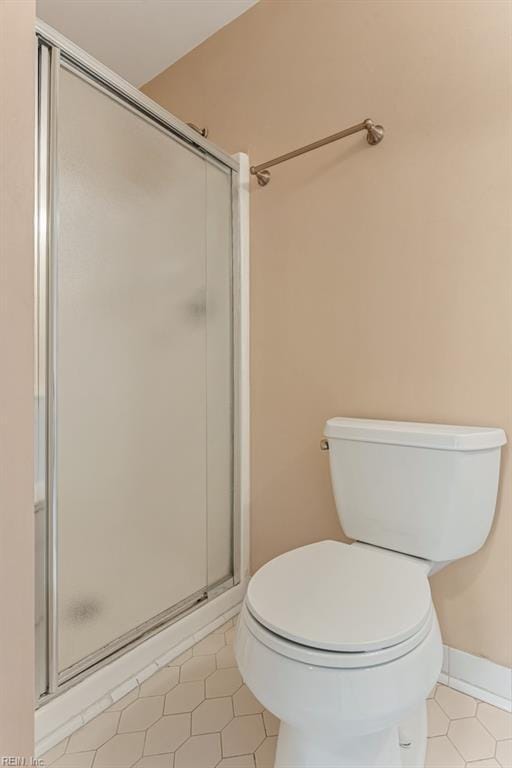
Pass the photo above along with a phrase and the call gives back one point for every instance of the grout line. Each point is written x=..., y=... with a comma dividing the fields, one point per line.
x=443, y=710
x=118, y=722
x=137, y=759
x=486, y=729
x=157, y=754
x=451, y=742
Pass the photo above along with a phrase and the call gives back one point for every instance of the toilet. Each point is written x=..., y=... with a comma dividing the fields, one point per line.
x=341, y=641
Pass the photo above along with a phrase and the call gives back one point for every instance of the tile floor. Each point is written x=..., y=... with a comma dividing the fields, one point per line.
x=196, y=713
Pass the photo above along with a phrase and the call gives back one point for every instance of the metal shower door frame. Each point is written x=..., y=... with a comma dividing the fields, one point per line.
x=53, y=52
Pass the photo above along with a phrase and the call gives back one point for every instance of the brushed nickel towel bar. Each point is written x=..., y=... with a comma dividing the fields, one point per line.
x=374, y=135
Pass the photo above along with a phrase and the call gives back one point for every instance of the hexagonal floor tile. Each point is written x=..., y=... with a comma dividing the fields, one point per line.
x=497, y=721
x=120, y=752
x=54, y=753
x=184, y=698
x=226, y=657
x=95, y=733
x=156, y=761
x=442, y=754
x=230, y=635
x=122, y=703
x=224, y=682
x=161, y=682
x=245, y=703
x=197, y=668
x=242, y=735
x=227, y=625
x=240, y=761
x=212, y=715
x=199, y=752
x=210, y=644
x=504, y=753
x=471, y=739
x=455, y=704
x=142, y=713
x=75, y=760
x=491, y=763
x=181, y=659
x=271, y=723
x=266, y=753
x=437, y=721
x=167, y=734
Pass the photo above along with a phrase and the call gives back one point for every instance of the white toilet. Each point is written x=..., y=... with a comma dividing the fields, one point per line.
x=341, y=642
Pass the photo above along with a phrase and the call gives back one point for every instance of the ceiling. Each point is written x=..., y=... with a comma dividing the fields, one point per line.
x=139, y=38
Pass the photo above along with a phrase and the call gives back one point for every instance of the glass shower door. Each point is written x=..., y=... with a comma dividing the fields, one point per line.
x=131, y=306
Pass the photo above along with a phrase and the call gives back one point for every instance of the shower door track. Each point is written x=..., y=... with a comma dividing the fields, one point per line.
x=72, y=675
x=128, y=93
x=53, y=51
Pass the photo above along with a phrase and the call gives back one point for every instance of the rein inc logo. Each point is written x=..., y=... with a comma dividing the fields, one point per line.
x=21, y=762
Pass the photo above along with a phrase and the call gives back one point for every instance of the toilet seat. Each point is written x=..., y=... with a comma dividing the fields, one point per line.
x=313, y=657
x=338, y=605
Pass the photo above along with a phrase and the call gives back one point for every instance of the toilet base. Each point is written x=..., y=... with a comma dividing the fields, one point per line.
x=300, y=749
x=413, y=733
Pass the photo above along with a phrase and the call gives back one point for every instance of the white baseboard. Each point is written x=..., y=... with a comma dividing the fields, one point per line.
x=64, y=714
x=478, y=677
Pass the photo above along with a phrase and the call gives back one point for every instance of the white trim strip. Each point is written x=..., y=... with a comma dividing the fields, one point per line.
x=244, y=362
x=483, y=679
x=480, y=693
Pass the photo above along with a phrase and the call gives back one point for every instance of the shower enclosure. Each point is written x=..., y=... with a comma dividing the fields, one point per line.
x=136, y=425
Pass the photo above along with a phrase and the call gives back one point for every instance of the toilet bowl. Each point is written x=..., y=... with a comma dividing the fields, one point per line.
x=341, y=641
x=345, y=658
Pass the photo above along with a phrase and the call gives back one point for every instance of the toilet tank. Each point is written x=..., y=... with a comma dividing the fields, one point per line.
x=427, y=490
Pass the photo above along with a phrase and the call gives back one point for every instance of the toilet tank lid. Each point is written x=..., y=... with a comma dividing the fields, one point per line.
x=419, y=435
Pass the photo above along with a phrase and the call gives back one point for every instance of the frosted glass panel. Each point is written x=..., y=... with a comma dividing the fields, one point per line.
x=131, y=372
x=219, y=373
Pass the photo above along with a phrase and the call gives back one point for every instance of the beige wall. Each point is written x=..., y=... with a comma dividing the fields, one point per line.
x=16, y=378
x=381, y=277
